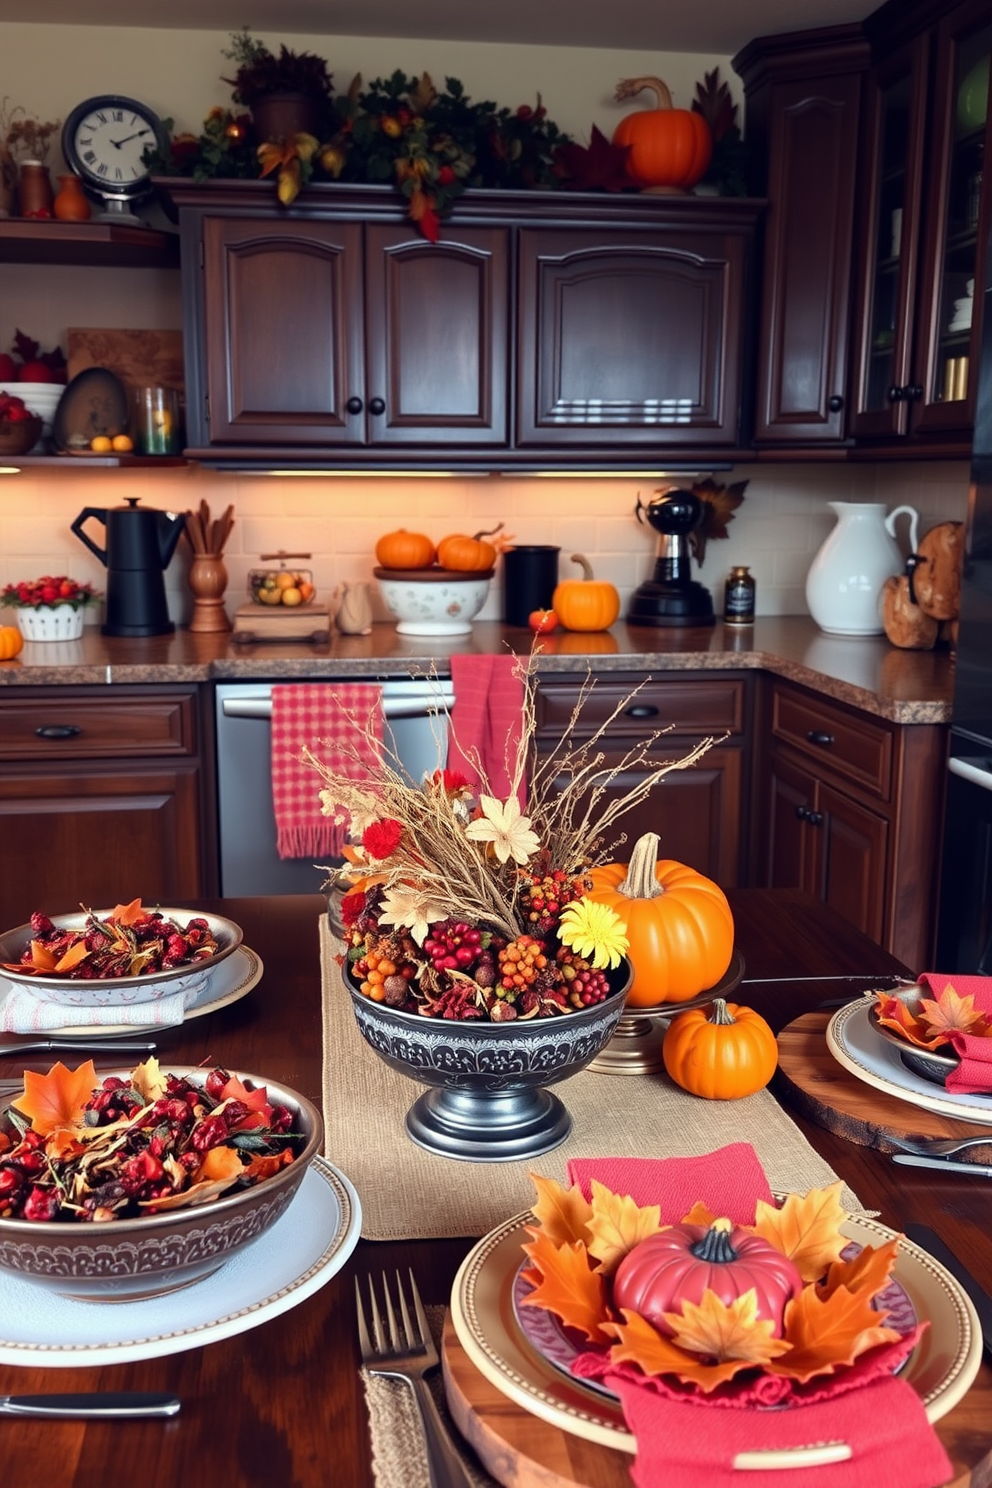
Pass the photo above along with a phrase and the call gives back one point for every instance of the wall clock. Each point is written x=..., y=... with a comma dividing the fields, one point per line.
x=104, y=140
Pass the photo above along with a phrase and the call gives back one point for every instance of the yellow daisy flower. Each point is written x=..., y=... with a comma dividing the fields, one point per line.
x=594, y=931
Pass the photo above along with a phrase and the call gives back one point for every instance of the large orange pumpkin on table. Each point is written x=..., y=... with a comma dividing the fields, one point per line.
x=678, y=922
x=669, y=149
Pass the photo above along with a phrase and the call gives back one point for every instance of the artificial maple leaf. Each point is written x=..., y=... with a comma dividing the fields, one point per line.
x=726, y=1330
x=600, y=166
x=644, y=1346
x=266, y=1164
x=568, y=1287
x=953, y=1013
x=56, y=1100
x=422, y=211
x=806, y=1229
x=700, y=1214
x=76, y=953
x=893, y=1013
x=720, y=503
x=562, y=1213
x=866, y=1272
x=147, y=1079
x=126, y=914
x=826, y=1335
x=42, y=959
x=255, y=1100
x=617, y=1225
x=713, y=100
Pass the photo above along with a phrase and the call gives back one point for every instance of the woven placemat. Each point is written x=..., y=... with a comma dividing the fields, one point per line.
x=410, y=1194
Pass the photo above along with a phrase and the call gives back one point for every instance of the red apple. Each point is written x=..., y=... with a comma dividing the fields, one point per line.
x=35, y=372
x=542, y=622
x=8, y=368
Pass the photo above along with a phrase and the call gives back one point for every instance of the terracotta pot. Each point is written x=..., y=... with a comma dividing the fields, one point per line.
x=35, y=190
x=70, y=203
x=278, y=115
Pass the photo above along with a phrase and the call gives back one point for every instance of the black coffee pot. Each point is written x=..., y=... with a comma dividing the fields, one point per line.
x=672, y=596
x=140, y=544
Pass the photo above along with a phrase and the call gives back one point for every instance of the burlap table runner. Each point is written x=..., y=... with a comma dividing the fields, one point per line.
x=409, y=1194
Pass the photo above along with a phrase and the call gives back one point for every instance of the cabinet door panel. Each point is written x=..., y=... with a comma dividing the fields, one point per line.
x=438, y=328
x=791, y=794
x=103, y=837
x=803, y=369
x=852, y=860
x=283, y=327
x=626, y=335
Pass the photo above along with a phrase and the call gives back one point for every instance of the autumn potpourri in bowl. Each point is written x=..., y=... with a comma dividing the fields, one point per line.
x=921, y=1027
x=109, y=958
x=116, y=1187
x=475, y=959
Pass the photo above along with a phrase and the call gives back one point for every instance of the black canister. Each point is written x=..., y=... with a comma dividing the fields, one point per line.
x=530, y=577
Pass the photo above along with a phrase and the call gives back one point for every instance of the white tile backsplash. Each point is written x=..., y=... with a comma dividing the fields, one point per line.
x=777, y=530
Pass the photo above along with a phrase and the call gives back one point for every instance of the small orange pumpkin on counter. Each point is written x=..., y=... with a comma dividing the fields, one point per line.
x=468, y=554
x=669, y=148
x=404, y=549
x=587, y=603
x=679, y=924
x=720, y=1053
x=11, y=642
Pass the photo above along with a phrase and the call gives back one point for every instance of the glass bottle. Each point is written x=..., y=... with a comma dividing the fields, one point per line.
x=738, y=597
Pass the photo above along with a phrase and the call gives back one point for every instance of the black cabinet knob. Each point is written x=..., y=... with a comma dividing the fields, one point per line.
x=354, y=405
x=836, y=403
x=914, y=392
x=815, y=818
x=802, y=812
x=896, y=394
x=58, y=731
x=642, y=710
x=817, y=736
x=377, y=406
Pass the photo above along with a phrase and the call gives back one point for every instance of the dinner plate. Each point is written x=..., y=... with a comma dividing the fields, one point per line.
x=231, y=980
x=941, y=1368
x=861, y=1050
x=298, y=1255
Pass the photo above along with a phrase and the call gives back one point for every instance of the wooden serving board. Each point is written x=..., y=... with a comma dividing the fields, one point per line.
x=521, y=1451
x=811, y=1081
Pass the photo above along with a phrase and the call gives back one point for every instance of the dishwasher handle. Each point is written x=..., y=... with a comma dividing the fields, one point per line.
x=965, y=770
x=261, y=707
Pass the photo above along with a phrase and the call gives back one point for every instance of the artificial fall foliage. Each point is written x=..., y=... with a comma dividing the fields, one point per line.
x=598, y=166
x=928, y=1028
x=57, y=1099
x=576, y=1245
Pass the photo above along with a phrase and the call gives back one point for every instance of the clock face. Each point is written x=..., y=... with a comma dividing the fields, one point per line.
x=104, y=140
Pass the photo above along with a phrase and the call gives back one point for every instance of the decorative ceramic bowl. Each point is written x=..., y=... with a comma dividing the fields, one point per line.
x=488, y=1100
x=128, y=1260
x=50, y=622
x=41, y=398
x=930, y=1064
x=19, y=438
x=433, y=601
x=108, y=992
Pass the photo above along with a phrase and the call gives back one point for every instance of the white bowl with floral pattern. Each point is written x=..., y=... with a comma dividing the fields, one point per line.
x=433, y=601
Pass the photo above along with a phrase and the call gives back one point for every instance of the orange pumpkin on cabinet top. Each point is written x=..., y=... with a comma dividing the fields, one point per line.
x=669, y=148
x=679, y=924
x=404, y=549
x=586, y=603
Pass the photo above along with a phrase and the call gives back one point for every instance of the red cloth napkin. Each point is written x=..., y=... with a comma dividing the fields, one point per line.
x=486, y=721
x=330, y=721
x=973, y=1076
x=693, y=1444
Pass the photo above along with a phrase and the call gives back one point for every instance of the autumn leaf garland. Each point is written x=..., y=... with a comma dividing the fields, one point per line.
x=576, y=1246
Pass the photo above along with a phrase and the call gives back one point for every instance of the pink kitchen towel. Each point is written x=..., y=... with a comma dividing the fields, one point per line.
x=973, y=1075
x=487, y=721
x=333, y=721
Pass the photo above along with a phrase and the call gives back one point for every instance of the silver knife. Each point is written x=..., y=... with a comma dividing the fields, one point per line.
x=106, y=1405
x=945, y=1164
x=77, y=1046
x=927, y=1240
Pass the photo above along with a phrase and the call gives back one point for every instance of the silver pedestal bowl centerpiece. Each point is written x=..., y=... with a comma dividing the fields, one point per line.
x=488, y=1099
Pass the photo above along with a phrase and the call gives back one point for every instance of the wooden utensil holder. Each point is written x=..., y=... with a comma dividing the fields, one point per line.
x=208, y=580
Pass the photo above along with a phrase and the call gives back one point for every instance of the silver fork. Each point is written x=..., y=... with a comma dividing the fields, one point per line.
x=937, y=1146
x=400, y=1351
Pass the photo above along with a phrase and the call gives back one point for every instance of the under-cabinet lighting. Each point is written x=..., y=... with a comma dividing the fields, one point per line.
x=352, y=474
x=10, y=469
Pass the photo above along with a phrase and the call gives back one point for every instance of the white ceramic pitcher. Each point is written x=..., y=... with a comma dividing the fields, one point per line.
x=844, y=584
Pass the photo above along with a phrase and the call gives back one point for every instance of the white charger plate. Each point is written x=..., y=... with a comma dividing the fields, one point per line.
x=864, y=1053
x=306, y=1246
x=229, y=981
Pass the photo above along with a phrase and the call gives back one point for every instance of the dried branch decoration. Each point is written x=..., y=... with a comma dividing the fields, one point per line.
x=22, y=137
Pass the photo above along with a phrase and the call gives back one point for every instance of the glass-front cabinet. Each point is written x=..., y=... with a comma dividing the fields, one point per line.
x=924, y=216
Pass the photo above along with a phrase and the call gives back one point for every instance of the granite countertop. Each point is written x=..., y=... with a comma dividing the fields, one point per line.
x=867, y=672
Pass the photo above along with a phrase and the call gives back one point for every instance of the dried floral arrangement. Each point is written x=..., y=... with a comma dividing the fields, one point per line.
x=459, y=904
x=260, y=71
x=22, y=137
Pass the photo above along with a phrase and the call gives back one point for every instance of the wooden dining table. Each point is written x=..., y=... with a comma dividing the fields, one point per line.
x=282, y=1404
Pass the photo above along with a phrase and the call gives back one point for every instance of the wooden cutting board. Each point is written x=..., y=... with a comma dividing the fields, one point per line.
x=138, y=358
x=811, y=1081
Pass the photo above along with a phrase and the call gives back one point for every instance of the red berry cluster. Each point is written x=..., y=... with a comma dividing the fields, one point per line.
x=544, y=897
x=50, y=590
x=13, y=410
x=584, y=984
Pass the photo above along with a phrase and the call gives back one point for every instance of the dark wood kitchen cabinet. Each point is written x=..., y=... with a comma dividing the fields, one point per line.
x=633, y=335
x=101, y=798
x=851, y=811
x=335, y=332
x=803, y=94
x=700, y=814
x=925, y=212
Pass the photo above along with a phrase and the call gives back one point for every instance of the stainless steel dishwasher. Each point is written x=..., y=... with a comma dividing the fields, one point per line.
x=416, y=730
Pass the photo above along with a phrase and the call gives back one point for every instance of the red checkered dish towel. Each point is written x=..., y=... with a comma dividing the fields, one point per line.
x=330, y=720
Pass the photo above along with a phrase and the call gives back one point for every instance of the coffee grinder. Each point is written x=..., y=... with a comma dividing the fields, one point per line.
x=672, y=596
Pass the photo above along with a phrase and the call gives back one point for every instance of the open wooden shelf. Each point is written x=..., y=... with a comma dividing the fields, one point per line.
x=87, y=244
x=94, y=462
